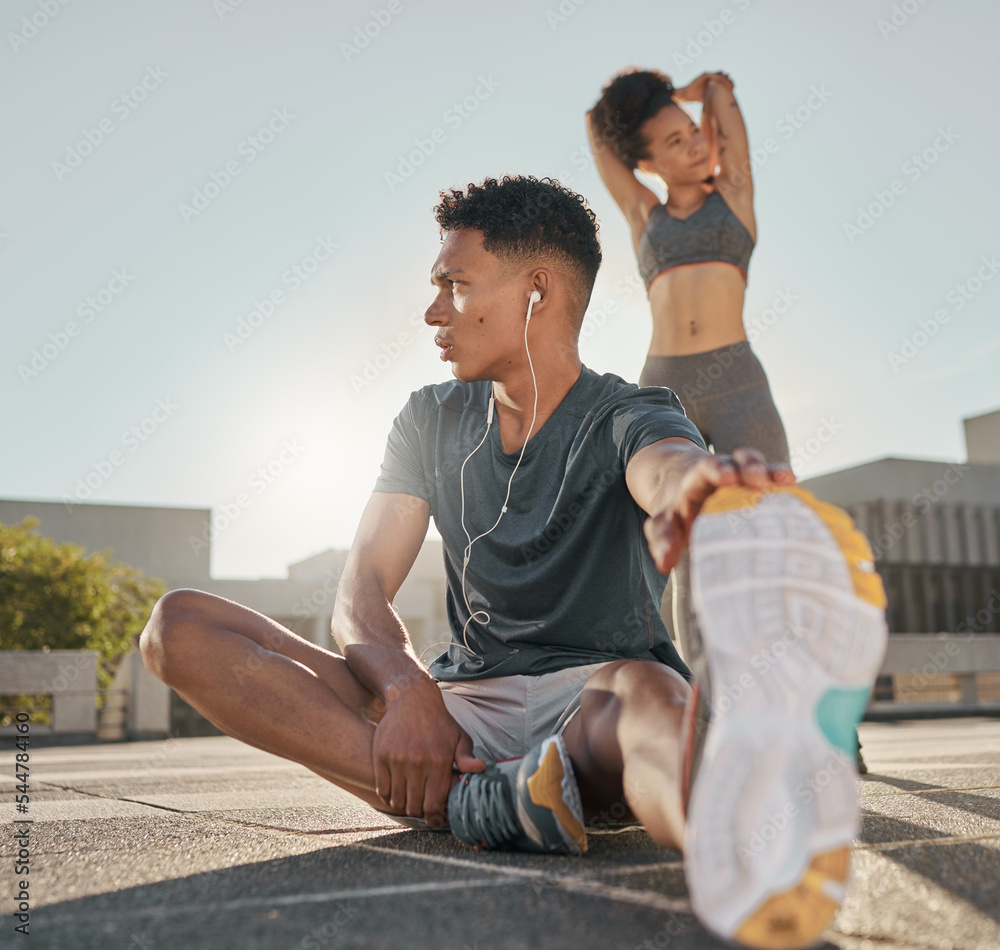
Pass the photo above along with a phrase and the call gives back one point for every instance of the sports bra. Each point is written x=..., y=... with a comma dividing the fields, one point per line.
x=712, y=233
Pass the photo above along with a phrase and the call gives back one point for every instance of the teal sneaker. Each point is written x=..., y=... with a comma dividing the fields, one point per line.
x=529, y=804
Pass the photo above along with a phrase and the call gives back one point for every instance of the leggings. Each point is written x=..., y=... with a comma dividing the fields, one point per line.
x=726, y=395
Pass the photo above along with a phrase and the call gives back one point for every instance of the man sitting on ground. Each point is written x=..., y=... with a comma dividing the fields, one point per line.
x=563, y=498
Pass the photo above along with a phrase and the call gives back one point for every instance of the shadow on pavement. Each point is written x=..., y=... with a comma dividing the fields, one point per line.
x=966, y=869
x=386, y=892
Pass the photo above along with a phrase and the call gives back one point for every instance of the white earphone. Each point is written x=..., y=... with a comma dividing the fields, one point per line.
x=533, y=298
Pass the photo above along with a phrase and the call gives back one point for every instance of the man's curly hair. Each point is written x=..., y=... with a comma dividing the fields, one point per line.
x=524, y=219
x=626, y=102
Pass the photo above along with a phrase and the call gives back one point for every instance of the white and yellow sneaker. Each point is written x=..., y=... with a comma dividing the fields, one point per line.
x=791, y=613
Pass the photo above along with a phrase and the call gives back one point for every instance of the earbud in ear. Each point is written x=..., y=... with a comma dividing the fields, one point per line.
x=535, y=297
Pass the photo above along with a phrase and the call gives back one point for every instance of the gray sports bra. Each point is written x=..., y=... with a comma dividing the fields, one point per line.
x=712, y=233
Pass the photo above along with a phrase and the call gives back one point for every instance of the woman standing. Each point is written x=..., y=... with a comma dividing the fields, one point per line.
x=693, y=252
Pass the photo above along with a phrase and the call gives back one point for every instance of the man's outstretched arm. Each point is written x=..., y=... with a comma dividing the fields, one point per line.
x=416, y=740
x=671, y=479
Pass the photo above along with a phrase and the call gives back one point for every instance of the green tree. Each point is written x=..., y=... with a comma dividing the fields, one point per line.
x=56, y=596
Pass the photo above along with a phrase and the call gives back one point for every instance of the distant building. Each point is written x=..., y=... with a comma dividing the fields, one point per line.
x=935, y=531
x=982, y=438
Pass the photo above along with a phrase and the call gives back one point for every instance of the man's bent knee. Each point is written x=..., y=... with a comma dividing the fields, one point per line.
x=166, y=640
x=628, y=679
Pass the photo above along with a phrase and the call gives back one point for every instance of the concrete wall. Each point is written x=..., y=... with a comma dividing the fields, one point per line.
x=68, y=676
x=935, y=530
x=153, y=539
x=909, y=480
x=147, y=713
x=919, y=512
x=982, y=438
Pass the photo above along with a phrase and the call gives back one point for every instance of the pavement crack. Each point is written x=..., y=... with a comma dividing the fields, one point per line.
x=295, y=832
x=114, y=798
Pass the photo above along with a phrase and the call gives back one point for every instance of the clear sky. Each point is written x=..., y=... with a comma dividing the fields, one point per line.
x=215, y=249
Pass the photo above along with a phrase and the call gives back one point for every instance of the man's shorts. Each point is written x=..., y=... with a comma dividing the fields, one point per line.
x=507, y=716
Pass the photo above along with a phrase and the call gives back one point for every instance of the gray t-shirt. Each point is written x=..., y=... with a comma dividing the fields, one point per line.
x=566, y=577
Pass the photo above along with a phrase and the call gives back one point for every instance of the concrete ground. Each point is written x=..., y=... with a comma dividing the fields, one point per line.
x=194, y=843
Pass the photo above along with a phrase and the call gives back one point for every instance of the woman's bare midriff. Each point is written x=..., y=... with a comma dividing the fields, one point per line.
x=696, y=308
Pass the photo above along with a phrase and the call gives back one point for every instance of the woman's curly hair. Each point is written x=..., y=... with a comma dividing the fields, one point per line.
x=626, y=102
x=523, y=218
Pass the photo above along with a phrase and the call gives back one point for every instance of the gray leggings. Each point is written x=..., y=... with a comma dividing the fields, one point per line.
x=726, y=395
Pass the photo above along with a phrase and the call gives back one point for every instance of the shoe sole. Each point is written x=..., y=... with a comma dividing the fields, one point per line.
x=792, y=617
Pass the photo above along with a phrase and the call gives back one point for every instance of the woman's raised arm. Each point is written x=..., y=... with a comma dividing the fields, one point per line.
x=722, y=124
x=634, y=198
